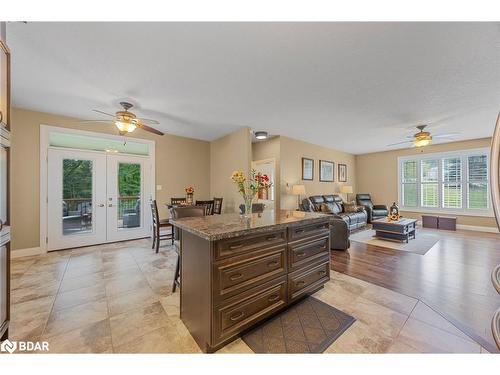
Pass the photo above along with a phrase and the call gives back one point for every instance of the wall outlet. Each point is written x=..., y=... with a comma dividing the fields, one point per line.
x=159, y=187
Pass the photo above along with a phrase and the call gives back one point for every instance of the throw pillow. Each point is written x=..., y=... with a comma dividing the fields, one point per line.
x=350, y=207
x=328, y=208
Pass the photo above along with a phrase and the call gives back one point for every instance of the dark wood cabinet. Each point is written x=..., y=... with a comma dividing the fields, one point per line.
x=230, y=285
x=4, y=185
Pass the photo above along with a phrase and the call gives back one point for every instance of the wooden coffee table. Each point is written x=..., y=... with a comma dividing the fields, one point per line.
x=402, y=230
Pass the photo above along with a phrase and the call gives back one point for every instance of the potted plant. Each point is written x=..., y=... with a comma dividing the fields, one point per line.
x=189, y=195
x=249, y=186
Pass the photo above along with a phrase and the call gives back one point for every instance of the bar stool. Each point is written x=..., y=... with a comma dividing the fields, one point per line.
x=157, y=225
x=177, y=213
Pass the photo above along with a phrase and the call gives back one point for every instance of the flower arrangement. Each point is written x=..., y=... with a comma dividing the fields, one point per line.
x=189, y=190
x=249, y=187
x=189, y=195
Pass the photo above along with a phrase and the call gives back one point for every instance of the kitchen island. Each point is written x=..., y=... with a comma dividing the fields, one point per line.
x=236, y=271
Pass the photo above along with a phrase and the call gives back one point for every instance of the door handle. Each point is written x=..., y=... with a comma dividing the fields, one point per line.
x=101, y=205
x=110, y=205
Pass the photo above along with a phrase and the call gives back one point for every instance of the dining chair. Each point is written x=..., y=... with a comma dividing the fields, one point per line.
x=209, y=206
x=217, y=206
x=157, y=225
x=177, y=213
x=177, y=200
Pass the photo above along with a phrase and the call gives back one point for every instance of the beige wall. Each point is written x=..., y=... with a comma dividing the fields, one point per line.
x=227, y=154
x=377, y=174
x=291, y=153
x=179, y=162
x=270, y=149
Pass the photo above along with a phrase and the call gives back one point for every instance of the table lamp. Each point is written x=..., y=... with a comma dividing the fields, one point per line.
x=298, y=190
x=346, y=189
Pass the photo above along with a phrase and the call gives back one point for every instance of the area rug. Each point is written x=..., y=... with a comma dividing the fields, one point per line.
x=309, y=326
x=420, y=245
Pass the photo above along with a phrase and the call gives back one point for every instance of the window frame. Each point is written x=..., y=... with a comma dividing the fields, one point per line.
x=440, y=156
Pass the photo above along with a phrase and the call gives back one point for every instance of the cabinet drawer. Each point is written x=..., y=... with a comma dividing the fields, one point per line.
x=310, y=230
x=302, y=253
x=302, y=282
x=233, y=276
x=235, y=246
x=249, y=308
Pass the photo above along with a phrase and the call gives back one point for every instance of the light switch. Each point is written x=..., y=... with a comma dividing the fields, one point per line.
x=158, y=187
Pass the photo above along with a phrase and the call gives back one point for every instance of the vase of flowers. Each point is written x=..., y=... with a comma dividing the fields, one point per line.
x=189, y=195
x=249, y=186
x=264, y=185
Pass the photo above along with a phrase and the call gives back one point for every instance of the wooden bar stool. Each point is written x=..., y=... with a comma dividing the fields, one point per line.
x=177, y=213
x=157, y=225
x=209, y=206
x=217, y=206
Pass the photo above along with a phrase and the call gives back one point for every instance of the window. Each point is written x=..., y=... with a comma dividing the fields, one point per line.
x=449, y=182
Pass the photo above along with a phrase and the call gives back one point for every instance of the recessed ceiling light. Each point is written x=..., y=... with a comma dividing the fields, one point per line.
x=261, y=135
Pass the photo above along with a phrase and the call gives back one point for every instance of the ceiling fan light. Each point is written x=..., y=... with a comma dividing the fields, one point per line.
x=126, y=127
x=421, y=142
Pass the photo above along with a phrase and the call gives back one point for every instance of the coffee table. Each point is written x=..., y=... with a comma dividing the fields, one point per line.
x=402, y=230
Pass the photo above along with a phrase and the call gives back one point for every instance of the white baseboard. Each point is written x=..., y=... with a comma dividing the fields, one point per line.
x=26, y=252
x=475, y=228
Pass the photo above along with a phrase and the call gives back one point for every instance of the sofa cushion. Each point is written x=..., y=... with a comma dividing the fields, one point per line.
x=350, y=207
x=330, y=208
x=317, y=200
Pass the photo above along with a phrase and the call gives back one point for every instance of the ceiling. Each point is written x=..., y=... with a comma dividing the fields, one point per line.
x=355, y=87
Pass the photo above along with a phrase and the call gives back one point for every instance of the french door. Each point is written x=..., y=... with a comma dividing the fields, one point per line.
x=95, y=197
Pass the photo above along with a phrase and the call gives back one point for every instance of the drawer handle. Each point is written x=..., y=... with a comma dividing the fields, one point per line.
x=301, y=254
x=300, y=282
x=322, y=246
x=322, y=226
x=234, y=247
x=299, y=231
x=237, y=316
x=273, y=298
x=273, y=263
x=270, y=238
x=236, y=276
x=321, y=273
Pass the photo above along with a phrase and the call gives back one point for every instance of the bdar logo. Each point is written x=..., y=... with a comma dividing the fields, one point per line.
x=8, y=346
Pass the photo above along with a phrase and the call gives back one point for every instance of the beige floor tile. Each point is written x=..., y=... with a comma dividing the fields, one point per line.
x=427, y=315
x=393, y=300
x=73, y=283
x=125, y=283
x=379, y=318
x=31, y=293
x=132, y=324
x=115, y=271
x=28, y=319
x=79, y=296
x=93, y=338
x=161, y=340
x=73, y=272
x=131, y=300
x=171, y=304
x=399, y=347
x=37, y=280
x=428, y=339
x=484, y=351
x=360, y=338
x=76, y=317
x=237, y=346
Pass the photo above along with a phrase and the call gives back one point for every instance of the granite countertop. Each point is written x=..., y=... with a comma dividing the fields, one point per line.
x=217, y=227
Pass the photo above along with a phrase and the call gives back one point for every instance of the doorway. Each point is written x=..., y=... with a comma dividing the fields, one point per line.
x=95, y=197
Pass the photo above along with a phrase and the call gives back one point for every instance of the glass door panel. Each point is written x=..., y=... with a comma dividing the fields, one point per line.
x=76, y=196
x=129, y=195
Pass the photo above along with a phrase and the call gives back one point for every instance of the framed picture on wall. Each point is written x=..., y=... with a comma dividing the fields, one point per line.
x=326, y=171
x=342, y=173
x=307, y=169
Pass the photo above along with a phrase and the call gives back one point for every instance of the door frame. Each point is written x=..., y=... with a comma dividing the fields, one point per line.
x=45, y=131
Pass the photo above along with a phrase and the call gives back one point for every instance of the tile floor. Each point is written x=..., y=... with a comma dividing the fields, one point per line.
x=116, y=298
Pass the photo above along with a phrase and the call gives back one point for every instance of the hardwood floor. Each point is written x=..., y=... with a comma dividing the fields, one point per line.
x=453, y=277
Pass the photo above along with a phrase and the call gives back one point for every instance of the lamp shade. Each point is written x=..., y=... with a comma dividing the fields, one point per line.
x=298, y=190
x=346, y=189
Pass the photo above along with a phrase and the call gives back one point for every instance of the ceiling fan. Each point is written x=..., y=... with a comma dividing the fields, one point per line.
x=126, y=121
x=423, y=138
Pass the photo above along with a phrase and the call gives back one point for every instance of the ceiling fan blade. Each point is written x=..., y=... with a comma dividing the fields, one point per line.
x=104, y=113
x=149, y=121
x=149, y=129
x=399, y=143
x=445, y=135
x=90, y=121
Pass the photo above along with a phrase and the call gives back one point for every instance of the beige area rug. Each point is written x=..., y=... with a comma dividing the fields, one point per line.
x=420, y=245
